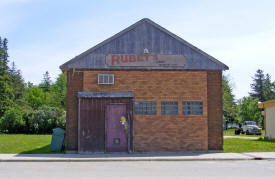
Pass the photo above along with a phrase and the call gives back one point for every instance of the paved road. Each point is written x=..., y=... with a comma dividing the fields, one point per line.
x=128, y=170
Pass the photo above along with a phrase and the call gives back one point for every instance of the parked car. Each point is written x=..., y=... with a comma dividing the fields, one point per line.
x=250, y=127
x=232, y=126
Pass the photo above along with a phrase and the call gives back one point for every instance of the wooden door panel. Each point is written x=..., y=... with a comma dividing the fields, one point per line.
x=115, y=132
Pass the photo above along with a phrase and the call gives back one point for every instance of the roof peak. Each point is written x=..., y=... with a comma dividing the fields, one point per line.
x=143, y=20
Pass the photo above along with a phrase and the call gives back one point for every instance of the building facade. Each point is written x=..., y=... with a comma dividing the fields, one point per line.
x=269, y=118
x=144, y=90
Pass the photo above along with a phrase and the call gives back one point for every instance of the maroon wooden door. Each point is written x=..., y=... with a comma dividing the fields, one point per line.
x=116, y=135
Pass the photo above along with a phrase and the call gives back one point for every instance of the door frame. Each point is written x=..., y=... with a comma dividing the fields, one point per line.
x=129, y=126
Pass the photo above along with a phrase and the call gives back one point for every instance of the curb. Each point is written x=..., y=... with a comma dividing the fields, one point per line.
x=132, y=159
x=143, y=157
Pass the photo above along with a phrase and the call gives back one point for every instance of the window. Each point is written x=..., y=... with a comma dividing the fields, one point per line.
x=250, y=123
x=146, y=107
x=106, y=78
x=169, y=107
x=192, y=108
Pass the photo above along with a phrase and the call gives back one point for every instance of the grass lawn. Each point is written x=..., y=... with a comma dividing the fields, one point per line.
x=248, y=145
x=231, y=132
x=22, y=143
x=34, y=144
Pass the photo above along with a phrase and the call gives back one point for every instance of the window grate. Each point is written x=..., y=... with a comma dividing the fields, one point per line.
x=106, y=79
x=146, y=107
x=192, y=107
x=169, y=107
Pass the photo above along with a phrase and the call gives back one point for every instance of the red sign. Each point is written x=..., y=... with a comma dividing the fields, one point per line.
x=145, y=60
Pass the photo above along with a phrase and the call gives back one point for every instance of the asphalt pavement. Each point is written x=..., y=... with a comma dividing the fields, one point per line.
x=142, y=169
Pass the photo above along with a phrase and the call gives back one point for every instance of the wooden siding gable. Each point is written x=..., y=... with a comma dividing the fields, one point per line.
x=134, y=39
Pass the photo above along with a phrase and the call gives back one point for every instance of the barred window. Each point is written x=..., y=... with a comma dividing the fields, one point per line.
x=192, y=108
x=169, y=107
x=146, y=107
x=106, y=78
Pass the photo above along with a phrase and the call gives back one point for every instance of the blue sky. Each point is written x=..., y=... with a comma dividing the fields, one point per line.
x=43, y=34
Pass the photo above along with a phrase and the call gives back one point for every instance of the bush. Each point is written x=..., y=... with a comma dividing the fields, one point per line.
x=28, y=115
x=26, y=120
x=12, y=120
x=45, y=119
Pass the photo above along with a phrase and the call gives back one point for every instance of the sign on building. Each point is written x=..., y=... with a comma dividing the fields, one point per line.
x=153, y=60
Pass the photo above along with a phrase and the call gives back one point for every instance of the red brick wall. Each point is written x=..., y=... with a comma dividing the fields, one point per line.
x=214, y=85
x=74, y=84
x=162, y=132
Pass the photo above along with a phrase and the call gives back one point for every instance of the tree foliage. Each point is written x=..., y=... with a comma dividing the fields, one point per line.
x=36, y=97
x=46, y=82
x=229, y=104
x=17, y=82
x=28, y=108
x=6, y=90
x=45, y=119
x=248, y=110
x=262, y=87
x=12, y=121
x=58, y=92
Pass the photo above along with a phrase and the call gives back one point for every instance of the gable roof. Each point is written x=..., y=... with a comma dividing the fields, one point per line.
x=75, y=62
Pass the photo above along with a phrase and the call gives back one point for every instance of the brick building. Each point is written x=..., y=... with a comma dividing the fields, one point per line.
x=144, y=90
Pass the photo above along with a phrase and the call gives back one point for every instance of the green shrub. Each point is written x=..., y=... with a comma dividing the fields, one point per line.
x=26, y=120
x=42, y=121
x=12, y=120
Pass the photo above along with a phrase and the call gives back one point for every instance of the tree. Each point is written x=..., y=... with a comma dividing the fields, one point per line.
x=6, y=91
x=258, y=86
x=229, y=104
x=262, y=87
x=269, y=92
x=3, y=56
x=26, y=107
x=36, y=97
x=46, y=82
x=17, y=82
x=58, y=92
x=248, y=110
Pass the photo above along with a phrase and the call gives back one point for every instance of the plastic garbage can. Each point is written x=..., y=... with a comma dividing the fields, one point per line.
x=57, y=140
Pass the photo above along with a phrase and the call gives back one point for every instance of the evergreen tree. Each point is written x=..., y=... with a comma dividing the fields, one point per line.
x=269, y=92
x=46, y=82
x=262, y=87
x=3, y=56
x=6, y=91
x=258, y=86
x=17, y=82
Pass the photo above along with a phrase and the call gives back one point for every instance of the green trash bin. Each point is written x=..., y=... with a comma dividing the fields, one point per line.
x=57, y=140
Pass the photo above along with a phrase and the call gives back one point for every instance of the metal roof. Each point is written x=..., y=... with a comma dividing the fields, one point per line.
x=134, y=39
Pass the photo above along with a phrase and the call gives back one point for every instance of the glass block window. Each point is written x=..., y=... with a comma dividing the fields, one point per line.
x=192, y=108
x=169, y=107
x=106, y=79
x=145, y=107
